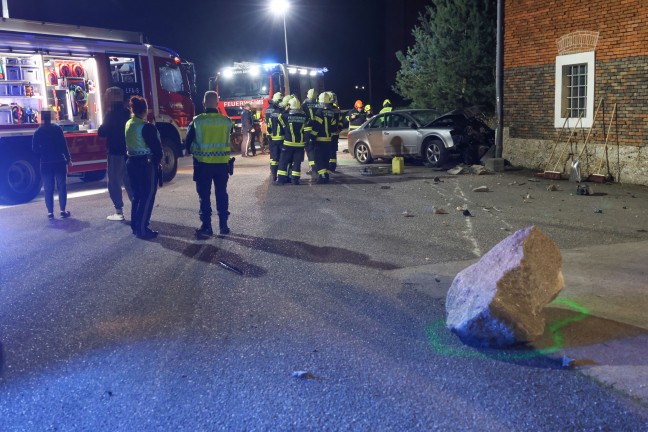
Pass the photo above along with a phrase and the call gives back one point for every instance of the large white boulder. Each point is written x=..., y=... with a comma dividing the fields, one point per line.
x=498, y=301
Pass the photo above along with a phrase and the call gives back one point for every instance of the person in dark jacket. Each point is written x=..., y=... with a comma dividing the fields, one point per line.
x=113, y=129
x=144, y=151
x=55, y=157
x=247, y=128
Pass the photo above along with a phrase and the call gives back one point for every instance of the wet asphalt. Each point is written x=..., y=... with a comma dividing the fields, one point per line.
x=330, y=326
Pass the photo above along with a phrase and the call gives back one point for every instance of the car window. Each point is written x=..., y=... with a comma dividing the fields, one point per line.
x=376, y=122
x=400, y=121
x=424, y=117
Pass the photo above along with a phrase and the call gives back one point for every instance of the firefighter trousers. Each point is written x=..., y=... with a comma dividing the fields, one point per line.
x=310, y=152
x=333, y=147
x=204, y=175
x=142, y=172
x=322, y=153
x=275, y=154
x=290, y=155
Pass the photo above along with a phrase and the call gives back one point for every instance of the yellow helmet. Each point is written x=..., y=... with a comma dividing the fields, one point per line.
x=325, y=98
x=295, y=104
x=387, y=102
x=286, y=99
x=311, y=94
x=367, y=108
x=276, y=97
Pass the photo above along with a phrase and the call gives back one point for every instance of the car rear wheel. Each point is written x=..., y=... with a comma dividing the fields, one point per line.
x=435, y=154
x=362, y=153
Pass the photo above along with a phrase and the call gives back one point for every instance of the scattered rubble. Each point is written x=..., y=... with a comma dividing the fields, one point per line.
x=406, y=213
x=552, y=188
x=481, y=189
x=440, y=210
x=498, y=301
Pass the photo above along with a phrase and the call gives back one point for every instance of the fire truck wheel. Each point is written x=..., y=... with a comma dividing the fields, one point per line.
x=169, y=160
x=91, y=176
x=20, y=179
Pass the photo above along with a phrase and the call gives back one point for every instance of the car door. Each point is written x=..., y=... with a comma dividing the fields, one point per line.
x=374, y=130
x=400, y=137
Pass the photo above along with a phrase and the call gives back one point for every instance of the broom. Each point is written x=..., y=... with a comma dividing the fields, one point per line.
x=602, y=178
x=575, y=165
x=553, y=149
x=557, y=175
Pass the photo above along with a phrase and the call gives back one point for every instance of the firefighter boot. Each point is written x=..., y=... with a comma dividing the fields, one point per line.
x=205, y=230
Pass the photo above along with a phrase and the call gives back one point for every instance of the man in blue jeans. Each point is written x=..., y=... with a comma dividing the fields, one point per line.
x=49, y=141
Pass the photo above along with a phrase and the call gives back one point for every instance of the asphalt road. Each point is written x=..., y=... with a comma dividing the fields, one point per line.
x=102, y=331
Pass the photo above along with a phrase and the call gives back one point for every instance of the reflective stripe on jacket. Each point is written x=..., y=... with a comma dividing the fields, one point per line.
x=293, y=124
x=211, y=144
x=325, y=124
x=135, y=144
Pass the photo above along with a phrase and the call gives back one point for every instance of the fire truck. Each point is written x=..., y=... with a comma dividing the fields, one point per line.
x=255, y=83
x=66, y=69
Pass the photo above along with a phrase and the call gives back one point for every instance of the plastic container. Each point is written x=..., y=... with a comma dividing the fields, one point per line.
x=14, y=73
x=398, y=165
x=30, y=74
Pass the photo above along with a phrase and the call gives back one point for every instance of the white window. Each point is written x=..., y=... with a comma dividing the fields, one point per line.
x=574, y=90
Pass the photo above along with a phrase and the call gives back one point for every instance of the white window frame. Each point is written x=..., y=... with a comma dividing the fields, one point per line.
x=559, y=112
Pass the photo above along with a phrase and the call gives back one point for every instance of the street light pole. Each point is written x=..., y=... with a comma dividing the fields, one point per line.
x=285, y=37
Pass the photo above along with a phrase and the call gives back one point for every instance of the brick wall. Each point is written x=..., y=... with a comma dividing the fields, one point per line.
x=532, y=29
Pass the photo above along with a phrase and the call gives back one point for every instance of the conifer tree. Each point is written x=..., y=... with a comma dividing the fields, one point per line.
x=452, y=62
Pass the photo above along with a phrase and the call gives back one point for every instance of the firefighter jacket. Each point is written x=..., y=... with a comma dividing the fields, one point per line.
x=340, y=119
x=356, y=118
x=143, y=139
x=386, y=109
x=293, y=124
x=325, y=123
x=208, y=137
x=272, y=121
x=309, y=106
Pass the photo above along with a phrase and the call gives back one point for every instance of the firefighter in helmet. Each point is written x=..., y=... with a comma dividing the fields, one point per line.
x=308, y=106
x=356, y=116
x=276, y=138
x=387, y=106
x=368, y=111
x=293, y=123
x=325, y=126
x=336, y=132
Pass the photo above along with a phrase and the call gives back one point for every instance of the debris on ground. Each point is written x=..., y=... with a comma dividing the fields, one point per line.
x=346, y=150
x=567, y=361
x=230, y=267
x=479, y=170
x=459, y=169
x=584, y=189
x=437, y=180
x=385, y=187
x=467, y=213
x=533, y=180
x=440, y=210
x=375, y=170
x=552, y=188
x=515, y=183
x=481, y=189
x=304, y=375
x=598, y=210
x=407, y=214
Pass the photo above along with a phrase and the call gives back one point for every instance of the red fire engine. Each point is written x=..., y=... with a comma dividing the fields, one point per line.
x=66, y=69
x=255, y=83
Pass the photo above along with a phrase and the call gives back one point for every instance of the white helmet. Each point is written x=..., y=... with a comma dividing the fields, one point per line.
x=276, y=97
x=325, y=98
x=284, y=102
x=295, y=104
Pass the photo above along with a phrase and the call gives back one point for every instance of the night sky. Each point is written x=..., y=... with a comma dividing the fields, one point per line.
x=341, y=35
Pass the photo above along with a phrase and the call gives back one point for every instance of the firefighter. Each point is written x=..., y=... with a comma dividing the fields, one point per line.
x=276, y=139
x=293, y=123
x=368, y=111
x=308, y=106
x=144, y=151
x=336, y=134
x=356, y=116
x=324, y=127
x=208, y=139
x=387, y=106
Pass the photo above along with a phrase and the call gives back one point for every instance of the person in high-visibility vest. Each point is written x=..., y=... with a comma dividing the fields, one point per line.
x=144, y=151
x=387, y=106
x=208, y=140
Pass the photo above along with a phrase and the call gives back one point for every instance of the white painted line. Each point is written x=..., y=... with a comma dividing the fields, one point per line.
x=70, y=196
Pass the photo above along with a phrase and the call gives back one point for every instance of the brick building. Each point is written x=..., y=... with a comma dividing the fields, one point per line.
x=561, y=58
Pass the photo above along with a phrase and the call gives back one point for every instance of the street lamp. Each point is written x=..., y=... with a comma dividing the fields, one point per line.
x=280, y=7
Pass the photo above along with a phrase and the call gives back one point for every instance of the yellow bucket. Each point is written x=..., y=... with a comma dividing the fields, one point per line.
x=398, y=165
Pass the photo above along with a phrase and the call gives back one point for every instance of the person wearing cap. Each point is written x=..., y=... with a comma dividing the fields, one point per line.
x=49, y=142
x=276, y=139
x=293, y=124
x=112, y=129
x=144, y=151
x=308, y=106
x=208, y=138
x=324, y=126
x=247, y=128
x=387, y=106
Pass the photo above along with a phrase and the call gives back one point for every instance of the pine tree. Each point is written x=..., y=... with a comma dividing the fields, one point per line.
x=452, y=62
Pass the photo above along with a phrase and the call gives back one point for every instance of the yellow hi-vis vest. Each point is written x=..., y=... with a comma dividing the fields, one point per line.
x=135, y=144
x=386, y=109
x=211, y=144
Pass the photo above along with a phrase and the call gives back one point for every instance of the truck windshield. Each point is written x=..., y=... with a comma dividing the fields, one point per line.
x=242, y=86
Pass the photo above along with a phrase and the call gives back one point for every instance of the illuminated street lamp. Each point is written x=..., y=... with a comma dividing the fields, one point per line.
x=280, y=7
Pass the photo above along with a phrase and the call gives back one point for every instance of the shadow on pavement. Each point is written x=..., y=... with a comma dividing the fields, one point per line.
x=69, y=224
x=203, y=251
x=307, y=252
